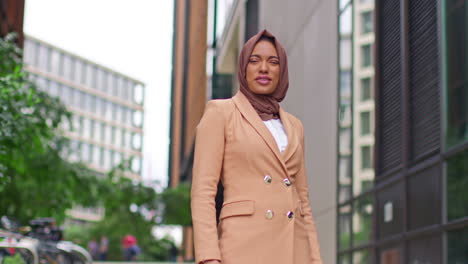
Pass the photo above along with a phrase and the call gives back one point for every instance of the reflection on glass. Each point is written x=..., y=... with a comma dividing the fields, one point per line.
x=345, y=140
x=138, y=94
x=136, y=162
x=361, y=257
x=345, y=53
x=457, y=245
x=362, y=221
x=457, y=186
x=457, y=71
x=344, y=227
x=345, y=83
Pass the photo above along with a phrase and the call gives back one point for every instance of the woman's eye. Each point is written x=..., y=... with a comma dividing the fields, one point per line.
x=275, y=62
x=253, y=60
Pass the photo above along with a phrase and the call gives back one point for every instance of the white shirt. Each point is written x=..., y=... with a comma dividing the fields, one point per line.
x=277, y=130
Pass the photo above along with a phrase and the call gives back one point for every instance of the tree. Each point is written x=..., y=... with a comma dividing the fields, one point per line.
x=36, y=179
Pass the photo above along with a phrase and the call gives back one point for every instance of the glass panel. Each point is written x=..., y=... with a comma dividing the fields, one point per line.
x=365, y=123
x=136, y=165
x=344, y=227
x=53, y=88
x=362, y=221
x=425, y=250
x=366, y=89
x=136, y=141
x=55, y=62
x=366, y=1
x=85, y=155
x=108, y=136
x=137, y=118
x=367, y=25
x=137, y=93
x=457, y=71
x=109, y=110
x=346, y=56
x=117, y=159
x=44, y=56
x=86, y=127
x=30, y=52
x=96, y=155
x=390, y=208
x=361, y=257
x=345, y=113
x=346, y=21
x=366, y=157
x=90, y=76
x=457, y=245
x=78, y=76
x=457, y=186
x=424, y=198
x=344, y=259
x=345, y=140
x=366, y=56
x=390, y=256
x=67, y=67
x=345, y=83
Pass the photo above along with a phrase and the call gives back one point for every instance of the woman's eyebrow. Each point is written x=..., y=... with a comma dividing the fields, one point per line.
x=258, y=56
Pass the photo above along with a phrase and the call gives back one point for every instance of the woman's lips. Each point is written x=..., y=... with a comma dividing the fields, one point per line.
x=263, y=80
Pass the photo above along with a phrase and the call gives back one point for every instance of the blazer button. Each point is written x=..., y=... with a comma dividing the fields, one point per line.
x=269, y=214
x=267, y=179
x=290, y=215
x=287, y=182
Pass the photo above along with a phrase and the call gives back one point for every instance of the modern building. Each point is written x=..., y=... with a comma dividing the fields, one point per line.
x=11, y=18
x=189, y=94
x=107, y=109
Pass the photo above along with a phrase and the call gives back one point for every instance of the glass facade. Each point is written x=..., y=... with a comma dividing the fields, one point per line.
x=108, y=113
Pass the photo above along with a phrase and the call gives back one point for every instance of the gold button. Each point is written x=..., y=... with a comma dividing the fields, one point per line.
x=287, y=182
x=269, y=214
x=290, y=215
x=267, y=179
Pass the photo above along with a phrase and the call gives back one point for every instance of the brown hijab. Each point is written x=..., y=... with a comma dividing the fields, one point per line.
x=267, y=106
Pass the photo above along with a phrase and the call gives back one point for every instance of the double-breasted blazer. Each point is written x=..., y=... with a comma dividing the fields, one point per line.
x=266, y=216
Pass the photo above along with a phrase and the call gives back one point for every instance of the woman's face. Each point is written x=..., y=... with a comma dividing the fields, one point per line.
x=263, y=68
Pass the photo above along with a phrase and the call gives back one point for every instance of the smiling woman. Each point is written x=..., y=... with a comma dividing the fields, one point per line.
x=255, y=148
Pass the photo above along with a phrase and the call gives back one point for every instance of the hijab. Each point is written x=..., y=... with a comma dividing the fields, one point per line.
x=267, y=106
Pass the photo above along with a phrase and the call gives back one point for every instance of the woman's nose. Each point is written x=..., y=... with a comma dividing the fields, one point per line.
x=264, y=66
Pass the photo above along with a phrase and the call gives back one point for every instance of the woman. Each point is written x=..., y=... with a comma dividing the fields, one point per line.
x=256, y=150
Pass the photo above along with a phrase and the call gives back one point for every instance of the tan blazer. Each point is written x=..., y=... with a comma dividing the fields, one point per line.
x=266, y=216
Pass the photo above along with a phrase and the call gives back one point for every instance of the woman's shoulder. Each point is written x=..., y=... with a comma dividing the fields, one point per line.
x=220, y=105
x=295, y=121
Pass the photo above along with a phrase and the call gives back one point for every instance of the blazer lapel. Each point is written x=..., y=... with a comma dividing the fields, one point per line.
x=293, y=139
x=256, y=122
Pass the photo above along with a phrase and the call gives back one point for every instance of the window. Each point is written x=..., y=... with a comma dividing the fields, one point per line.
x=53, y=88
x=136, y=165
x=137, y=118
x=362, y=256
x=345, y=83
x=108, y=135
x=90, y=76
x=344, y=227
x=366, y=56
x=137, y=92
x=366, y=158
x=30, y=51
x=366, y=89
x=67, y=67
x=86, y=128
x=365, y=123
x=345, y=140
x=44, y=56
x=457, y=186
x=85, y=155
x=136, y=144
x=117, y=158
x=367, y=25
x=457, y=243
x=346, y=47
x=78, y=75
x=55, y=60
x=109, y=110
x=456, y=68
x=362, y=221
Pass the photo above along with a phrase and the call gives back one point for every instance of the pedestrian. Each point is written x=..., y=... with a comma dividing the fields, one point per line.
x=103, y=248
x=255, y=148
x=173, y=253
x=130, y=248
x=93, y=248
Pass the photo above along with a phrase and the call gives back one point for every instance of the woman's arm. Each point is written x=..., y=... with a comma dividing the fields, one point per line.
x=303, y=191
x=208, y=160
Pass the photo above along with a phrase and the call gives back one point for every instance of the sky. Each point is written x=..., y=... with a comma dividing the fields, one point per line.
x=131, y=37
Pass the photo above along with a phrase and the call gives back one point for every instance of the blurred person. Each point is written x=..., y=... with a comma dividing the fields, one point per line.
x=93, y=248
x=255, y=148
x=173, y=253
x=103, y=248
x=130, y=248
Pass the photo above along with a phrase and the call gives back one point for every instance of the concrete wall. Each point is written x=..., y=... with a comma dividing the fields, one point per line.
x=308, y=30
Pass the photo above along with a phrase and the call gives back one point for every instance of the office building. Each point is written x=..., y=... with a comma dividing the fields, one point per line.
x=107, y=108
